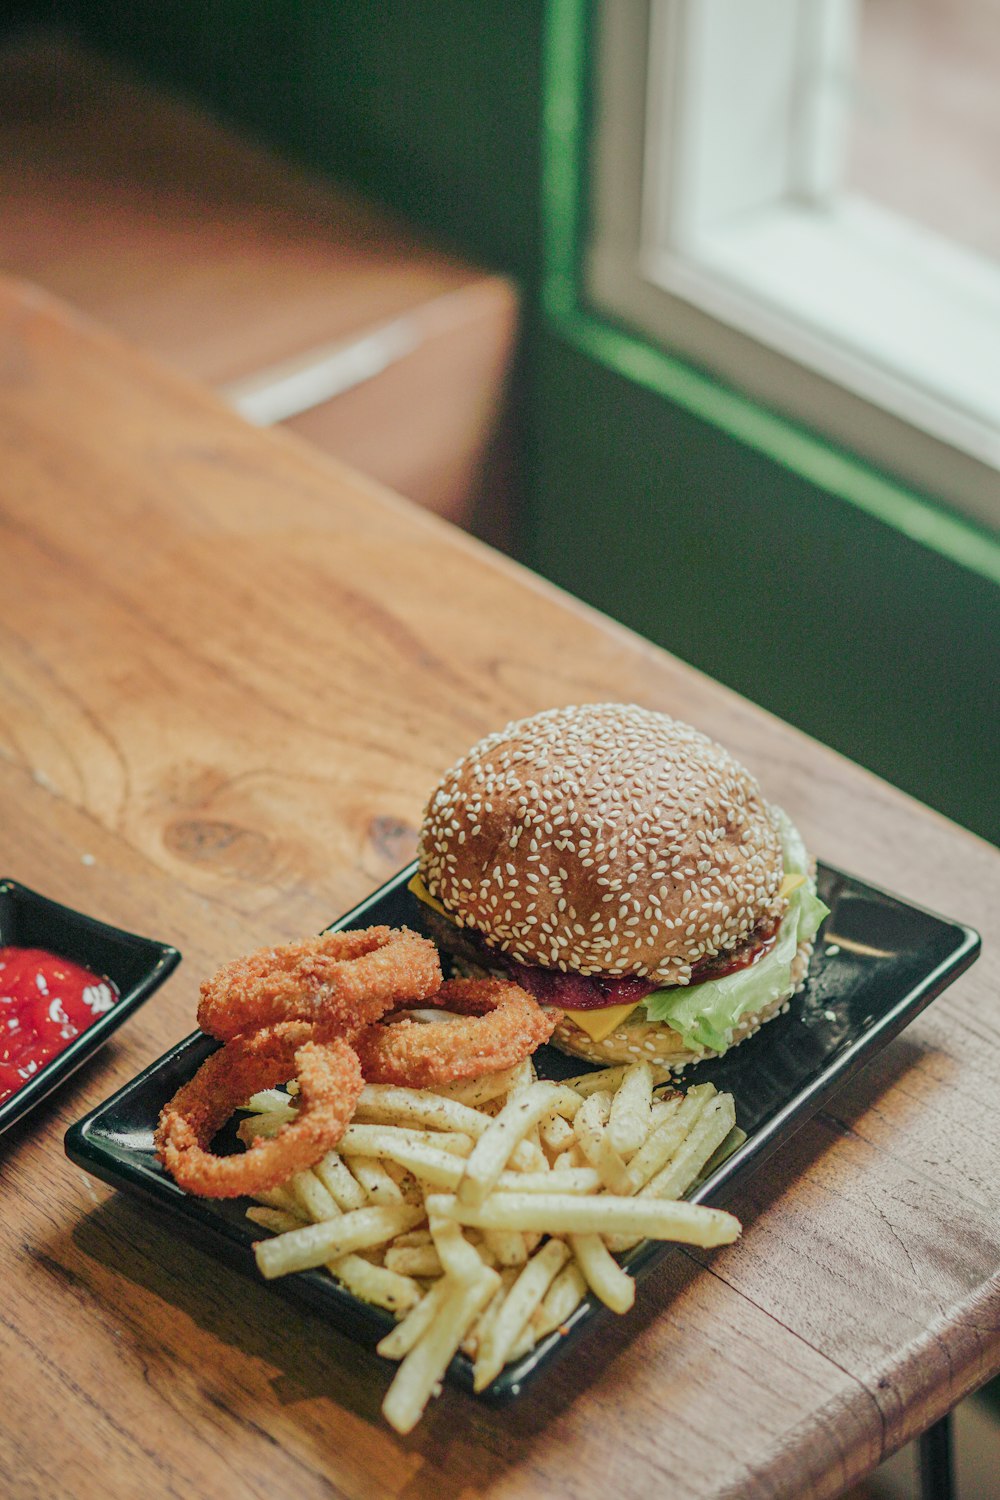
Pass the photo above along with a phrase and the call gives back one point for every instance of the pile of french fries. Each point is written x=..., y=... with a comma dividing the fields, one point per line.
x=482, y=1213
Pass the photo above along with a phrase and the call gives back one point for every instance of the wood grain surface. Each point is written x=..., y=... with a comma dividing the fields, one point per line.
x=230, y=671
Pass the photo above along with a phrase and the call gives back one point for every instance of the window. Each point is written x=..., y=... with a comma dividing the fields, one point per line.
x=743, y=214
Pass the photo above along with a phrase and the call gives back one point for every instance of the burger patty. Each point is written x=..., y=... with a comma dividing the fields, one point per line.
x=597, y=991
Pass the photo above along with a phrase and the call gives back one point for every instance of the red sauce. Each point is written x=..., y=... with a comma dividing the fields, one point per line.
x=760, y=941
x=45, y=1003
x=579, y=991
x=596, y=991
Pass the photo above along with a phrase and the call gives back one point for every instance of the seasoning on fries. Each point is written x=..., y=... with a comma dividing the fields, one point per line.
x=507, y=1208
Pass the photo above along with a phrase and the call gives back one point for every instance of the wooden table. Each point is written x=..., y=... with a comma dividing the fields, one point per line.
x=230, y=672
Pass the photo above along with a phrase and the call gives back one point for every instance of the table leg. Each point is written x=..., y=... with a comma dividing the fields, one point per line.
x=936, y=1463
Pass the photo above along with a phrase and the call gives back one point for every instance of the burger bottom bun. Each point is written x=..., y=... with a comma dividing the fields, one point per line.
x=658, y=1043
x=655, y=1041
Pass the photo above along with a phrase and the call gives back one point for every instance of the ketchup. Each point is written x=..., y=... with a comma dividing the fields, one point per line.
x=597, y=991
x=760, y=941
x=579, y=991
x=45, y=1003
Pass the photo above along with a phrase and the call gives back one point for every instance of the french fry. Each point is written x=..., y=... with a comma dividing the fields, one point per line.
x=496, y=1145
x=565, y=1180
x=662, y=1110
x=602, y=1272
x=312, y=1197
x=477, y=1091
x=569, y=1161
x=517, y=1307
x=714, y=1124
x=563, y=1297
x=410, y=1188
x=415, y=1260
x=413, y=1237
x=522, y=1345
x=263, y=1126
x=268, y=1101
x=603, y=1213
x=507, y=1194
x=379, y=1140
x=506, y=1246
x=592, y=1137
x=595, y=1109
x=274, y=1219
x=373, y=1177
x=556, y=1134
x=376, y=1284
x=477, y=1332
x=661, y=1145
x=439, y=1168
x=280, y=1197
x=483, y=1249
x=426, y=1362
x=458, y=1258
x=401, y=1339
x=368, y=1282
x=315, y=1244
x=524, y=1076
x=528, y=1156
x=620, y=1244
x=725, y=1149
x=628, y=1122
x=385, y=1104
x=605, y=1080
x=345, y=1190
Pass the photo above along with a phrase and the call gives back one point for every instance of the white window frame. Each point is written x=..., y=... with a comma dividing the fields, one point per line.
x=741, y=251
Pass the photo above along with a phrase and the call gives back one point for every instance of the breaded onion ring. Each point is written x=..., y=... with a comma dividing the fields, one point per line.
x=329, y=1084
x=339, y=981
x=506, y=1025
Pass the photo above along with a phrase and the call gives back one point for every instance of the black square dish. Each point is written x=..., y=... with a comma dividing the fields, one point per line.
x=878, y=962
x=135, y=967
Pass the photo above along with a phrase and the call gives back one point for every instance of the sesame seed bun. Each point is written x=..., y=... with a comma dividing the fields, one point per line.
x=603, y=839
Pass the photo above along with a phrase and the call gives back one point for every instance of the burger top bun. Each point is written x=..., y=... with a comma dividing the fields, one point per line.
x=603, y=839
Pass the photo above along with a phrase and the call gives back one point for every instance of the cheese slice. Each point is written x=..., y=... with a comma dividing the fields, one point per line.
x=791, y=883
x=601, y=1022
x=416, y=885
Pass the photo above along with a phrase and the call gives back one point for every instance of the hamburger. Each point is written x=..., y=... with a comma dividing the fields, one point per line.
x=627, y=870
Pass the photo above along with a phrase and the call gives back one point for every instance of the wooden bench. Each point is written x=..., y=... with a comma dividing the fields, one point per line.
x=297, y=302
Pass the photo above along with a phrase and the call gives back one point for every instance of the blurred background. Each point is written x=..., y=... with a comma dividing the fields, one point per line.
x=691, y=305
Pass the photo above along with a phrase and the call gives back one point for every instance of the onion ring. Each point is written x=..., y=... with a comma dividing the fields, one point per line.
x=339, y=981
x=330, y=1082
x=506, y=1025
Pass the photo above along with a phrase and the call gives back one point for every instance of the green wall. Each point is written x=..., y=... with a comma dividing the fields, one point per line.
x=430, y=105
x=805, y=603
x=811, y=607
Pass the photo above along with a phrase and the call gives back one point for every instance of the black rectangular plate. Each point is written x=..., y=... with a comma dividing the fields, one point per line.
x=878, y=962
x=135, y=965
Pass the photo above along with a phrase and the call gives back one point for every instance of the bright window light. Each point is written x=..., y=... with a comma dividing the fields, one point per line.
x=784, y=202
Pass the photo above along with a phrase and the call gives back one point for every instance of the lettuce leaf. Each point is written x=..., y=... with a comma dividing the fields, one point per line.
x=705, y=1015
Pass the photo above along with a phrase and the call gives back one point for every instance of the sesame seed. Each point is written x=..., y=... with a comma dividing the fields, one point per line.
x=601, y=784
